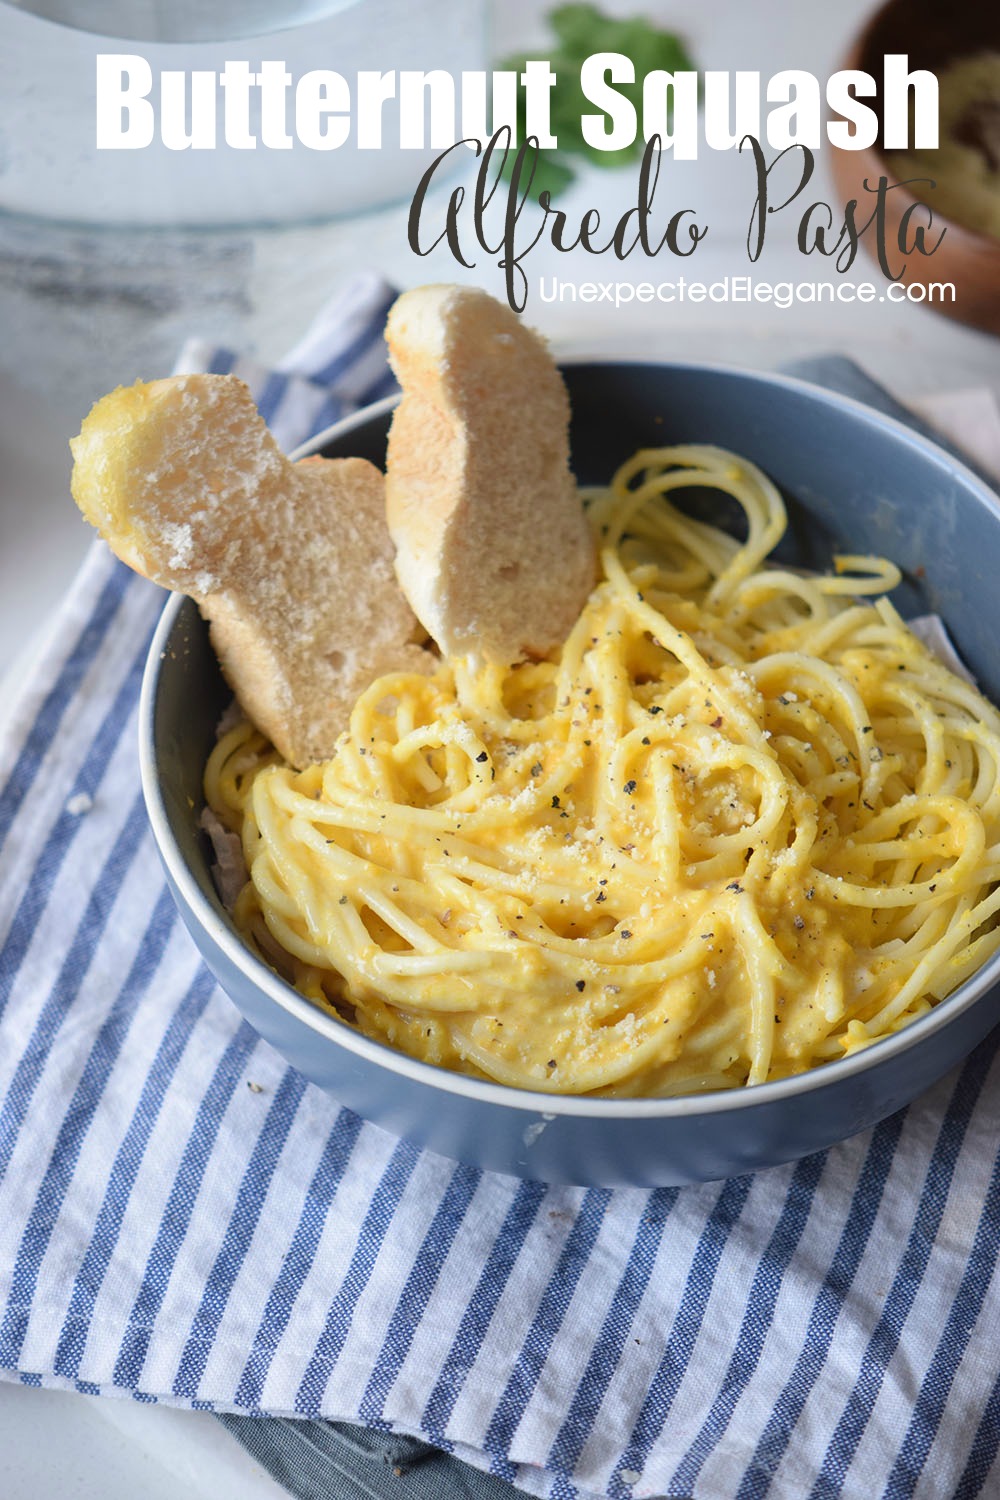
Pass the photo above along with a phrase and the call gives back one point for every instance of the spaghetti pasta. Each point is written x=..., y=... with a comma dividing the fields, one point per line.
x=744, y=822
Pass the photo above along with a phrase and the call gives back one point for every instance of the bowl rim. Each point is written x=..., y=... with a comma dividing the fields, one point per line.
x=485, y=1091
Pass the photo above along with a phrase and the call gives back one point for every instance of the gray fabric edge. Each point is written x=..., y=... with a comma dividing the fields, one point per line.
x=317, y=1460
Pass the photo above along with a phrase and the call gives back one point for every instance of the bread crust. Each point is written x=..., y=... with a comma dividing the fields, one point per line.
x=493, y=550
x=291, y=564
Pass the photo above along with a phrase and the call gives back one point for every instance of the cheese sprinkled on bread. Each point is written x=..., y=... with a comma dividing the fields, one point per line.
x=290, y=563
x=493, y=550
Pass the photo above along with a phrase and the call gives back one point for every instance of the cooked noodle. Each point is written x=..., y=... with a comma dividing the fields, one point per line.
x=744, y=824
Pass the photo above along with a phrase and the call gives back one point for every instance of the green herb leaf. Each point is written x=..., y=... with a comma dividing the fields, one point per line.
x=553, y=174
x=581, y=30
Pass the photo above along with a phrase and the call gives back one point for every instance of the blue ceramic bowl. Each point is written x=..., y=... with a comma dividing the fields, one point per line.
x=853, y=480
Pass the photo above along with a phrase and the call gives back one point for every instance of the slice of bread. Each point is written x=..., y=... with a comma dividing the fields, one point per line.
x=493, y=550
x=292, y=564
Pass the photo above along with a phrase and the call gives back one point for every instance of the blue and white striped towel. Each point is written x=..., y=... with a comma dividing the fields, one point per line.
x=183, y=1219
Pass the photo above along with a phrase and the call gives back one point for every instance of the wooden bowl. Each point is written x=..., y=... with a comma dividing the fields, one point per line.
x=932, y=34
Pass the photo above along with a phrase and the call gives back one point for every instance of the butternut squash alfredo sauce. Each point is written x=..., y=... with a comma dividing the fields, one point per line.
x=744, y=824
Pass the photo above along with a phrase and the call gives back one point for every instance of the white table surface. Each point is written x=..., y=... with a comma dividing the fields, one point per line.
x=52, y=1442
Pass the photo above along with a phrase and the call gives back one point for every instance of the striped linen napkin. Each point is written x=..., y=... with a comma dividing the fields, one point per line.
x=183, y=1219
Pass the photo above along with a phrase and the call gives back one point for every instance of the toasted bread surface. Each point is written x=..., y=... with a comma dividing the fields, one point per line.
x=493, y=549
x=292, y=564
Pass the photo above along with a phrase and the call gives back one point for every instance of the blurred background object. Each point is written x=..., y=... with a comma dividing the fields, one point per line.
x=52, y=168
x=960, y=43
x=180, y=20
x=110, y=258
x=578, y=31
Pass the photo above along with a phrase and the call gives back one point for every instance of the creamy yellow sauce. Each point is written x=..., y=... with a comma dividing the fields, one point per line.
x=744, y=824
